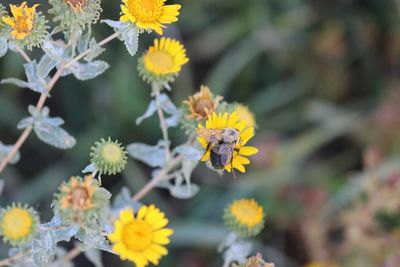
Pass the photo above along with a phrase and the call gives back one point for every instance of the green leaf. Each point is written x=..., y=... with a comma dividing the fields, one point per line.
x=89, y=70
x=3, y=46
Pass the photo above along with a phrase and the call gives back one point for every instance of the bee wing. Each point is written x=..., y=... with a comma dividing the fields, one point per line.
x=226, y=151
x=211, y=135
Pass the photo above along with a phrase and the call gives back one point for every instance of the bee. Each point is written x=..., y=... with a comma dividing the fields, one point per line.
x=221, y=144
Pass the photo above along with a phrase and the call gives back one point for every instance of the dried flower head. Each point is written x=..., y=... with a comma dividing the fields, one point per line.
x=108, y=156
x=255, y=261
x=149, y=14
x=81, y=200
x=75, y=14
x=241, y=151
x=141, y=239
x=77, y=5
x=27, y=27
x=202, y=104
x=245, y=114
x=163, y=61
x=245, y=217
x=78, y=194
x=18, y=224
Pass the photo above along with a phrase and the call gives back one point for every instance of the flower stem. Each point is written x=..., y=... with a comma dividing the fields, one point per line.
x=43, y=97
x=163, y=123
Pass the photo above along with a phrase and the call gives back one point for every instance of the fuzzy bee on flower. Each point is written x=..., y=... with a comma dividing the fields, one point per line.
x=224, y=140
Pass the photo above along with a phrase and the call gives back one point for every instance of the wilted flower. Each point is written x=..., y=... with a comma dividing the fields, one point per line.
x=163, y=61
x=223, y=121
x=202, y=104
x=80, y=200
x=18, y=224
x=108, y=156
x=27, y=27
x=75, y=14
x=141, y=239
x=245, y=217
x=256, y=261
x=149, y=14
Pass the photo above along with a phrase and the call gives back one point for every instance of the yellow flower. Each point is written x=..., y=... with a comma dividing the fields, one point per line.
x=78, y=194
x=202, y=104
x=22, y=22
x=321, y=264
x=149, y=14
x=166, y=56
x=222, y=121
x=141, y=239
x=245, y=217
x=18, y=224
x=245, y=114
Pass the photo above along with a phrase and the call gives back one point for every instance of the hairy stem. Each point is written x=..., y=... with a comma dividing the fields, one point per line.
x=161, y=117
x=42, y=100
x=162, y=175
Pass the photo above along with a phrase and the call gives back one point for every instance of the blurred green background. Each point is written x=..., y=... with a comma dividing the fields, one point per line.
x=320, y=76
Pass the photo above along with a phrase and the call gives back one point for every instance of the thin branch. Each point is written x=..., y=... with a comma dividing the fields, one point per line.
x=163, y=123
x=23, y=54
x=11, y=260
x=42, y=100
x=153, y=182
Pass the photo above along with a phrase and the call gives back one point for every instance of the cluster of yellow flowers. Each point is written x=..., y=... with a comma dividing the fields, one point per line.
x=139, y=236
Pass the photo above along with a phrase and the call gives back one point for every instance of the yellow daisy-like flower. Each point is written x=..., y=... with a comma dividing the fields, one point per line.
x=245, y=217
x=22, y=22
x=241, y=151
x=141, y=239
x=166, y=56
x=321, y=264
x=78, y=194
x=18, y=224
x=202, y=104
x=149, y=14
x=245, y=114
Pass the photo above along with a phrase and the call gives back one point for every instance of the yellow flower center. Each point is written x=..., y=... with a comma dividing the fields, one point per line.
x=17, y=223
x=145, y=10
x=112, y=153
x=247, y=212
x=137, y=235
x=161, y=60
x=23, y=25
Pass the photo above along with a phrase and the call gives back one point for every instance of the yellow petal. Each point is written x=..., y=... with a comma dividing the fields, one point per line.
x=126, y=216
x=248, y=150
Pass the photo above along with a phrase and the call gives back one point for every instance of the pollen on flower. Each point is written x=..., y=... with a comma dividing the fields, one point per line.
x=149, y=14
x=18, y=224
x=244, y=217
